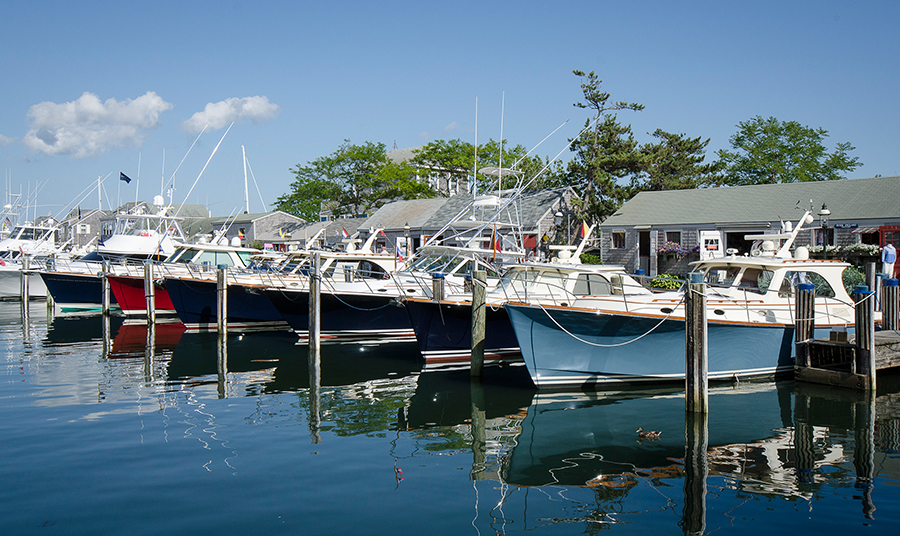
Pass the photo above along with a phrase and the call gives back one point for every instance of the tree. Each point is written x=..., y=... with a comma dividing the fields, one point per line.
x=354, y=180
x=604, y=154
x=767, y=151
x=676, y=163
x=456, y=160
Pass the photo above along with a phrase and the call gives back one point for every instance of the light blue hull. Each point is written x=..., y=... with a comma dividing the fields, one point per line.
x=585, y=349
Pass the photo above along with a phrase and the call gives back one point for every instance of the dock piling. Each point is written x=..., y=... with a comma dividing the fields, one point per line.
x=149, y=293
x=696, y=350
x=865, y=333
x=315, y=306
x=479, y=289
x=890, y=312
x=804, y=321
x=222, y=299
x=105, y=291
x=26, y=267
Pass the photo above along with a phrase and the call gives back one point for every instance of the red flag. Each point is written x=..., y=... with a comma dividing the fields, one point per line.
x=584, y=229
x=382, y=232
x=344, y=233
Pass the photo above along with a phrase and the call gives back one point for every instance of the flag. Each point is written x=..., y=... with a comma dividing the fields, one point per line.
x=7, y=223
x=241, y=235
x=584, y=229
x=344, y=233
x=382, y=232
x=124, y=177
x=399, y=255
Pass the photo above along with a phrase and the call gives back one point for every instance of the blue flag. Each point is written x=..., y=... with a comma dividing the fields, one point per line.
x=124, y=177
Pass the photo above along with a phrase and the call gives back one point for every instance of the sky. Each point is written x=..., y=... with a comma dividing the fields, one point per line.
x=91, y=89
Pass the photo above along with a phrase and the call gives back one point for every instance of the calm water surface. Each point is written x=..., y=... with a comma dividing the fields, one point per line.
x=105, y=429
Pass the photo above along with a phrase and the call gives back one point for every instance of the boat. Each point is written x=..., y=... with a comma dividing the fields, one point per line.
x=596, y=342
x=443, y=327
x=138, y=236
x=31, y=240
x=127, y=285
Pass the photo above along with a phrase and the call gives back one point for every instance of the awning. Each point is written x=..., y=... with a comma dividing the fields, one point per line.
x=864, y=230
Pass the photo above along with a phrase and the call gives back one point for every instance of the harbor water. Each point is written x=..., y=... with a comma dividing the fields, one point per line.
x=109, y=428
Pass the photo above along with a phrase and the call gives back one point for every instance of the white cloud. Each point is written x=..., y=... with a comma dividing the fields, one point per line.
x=220, y=114
x=4, y=141
x=86, y=127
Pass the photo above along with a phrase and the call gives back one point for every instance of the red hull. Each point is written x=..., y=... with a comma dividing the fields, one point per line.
x=129, y=293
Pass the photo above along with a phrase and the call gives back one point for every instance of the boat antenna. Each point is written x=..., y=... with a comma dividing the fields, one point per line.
x=204, y=168
x=172, y=179
x=475, y=171
x=138, y=185
x=246, y=195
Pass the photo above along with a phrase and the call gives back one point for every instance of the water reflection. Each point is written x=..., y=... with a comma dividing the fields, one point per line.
x=530, y=458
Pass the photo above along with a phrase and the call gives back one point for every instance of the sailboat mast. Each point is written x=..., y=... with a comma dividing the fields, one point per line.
x=246, y=194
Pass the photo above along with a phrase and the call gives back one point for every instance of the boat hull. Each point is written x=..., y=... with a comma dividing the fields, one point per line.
x=566, y=348
x=195, y=303
x=11, y=284
x=444, y=333
x=129, y=293
x=360, y=316
x=75, y=291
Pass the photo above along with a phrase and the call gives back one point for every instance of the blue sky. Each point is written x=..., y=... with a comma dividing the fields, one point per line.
x=91, y=87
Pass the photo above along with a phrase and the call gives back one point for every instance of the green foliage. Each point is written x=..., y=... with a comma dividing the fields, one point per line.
x=354, y=180
x=768, y=151
x=257, y=245
x=605, y=153
x=676, y=163
x=456, y=159
x=667, y=281
x=589, y=258
x=852, y=276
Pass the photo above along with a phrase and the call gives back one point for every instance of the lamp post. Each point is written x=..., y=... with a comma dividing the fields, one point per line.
x=557, y=220
x=823, y=216
x=406, y=242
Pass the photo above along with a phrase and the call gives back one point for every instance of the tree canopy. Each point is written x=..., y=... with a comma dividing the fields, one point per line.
x=767, y=151
x=354, y=180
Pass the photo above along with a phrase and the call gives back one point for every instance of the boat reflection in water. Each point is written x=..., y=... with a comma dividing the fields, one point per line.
x=760, y=441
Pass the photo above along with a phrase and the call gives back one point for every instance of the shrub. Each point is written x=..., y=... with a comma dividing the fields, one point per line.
x=667, y=281
x=852, y=277
x=588, y=258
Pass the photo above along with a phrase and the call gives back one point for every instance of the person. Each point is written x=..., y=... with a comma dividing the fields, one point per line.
x=383, y=249
x=888, y=256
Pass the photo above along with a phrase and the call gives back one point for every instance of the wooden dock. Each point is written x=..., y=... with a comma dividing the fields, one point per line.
x=833, y=362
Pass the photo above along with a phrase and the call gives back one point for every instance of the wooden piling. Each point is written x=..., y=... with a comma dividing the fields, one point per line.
x=149, y=293
x=105, y=291
x=315, y=306
x=865, y=333
x=890, y=310
x=222, y=299
x=696, y=472
x=804, y=321
x=25, y=290
x=479, y=289
x=696, y=350
x=437, y=287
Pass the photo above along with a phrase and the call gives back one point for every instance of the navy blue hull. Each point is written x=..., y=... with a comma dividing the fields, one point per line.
x=195, y=303
x=75, y=289
x=348, y=315
x=444, y=332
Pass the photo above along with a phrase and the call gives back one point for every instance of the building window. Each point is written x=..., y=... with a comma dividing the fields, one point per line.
x=891, y=237
x=618, y=239
x=824, y=237
x=673, y=236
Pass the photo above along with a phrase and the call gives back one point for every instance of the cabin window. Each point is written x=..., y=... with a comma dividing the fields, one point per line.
x=673, y=236
x=756, y=280
x=214, y=258
x=591, y=284
x=722, y=275
x=892, y=237
x=371, y=270
x=792, y=279
x=618, y=239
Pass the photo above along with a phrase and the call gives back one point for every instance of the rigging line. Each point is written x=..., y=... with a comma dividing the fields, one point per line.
x=256, y=184
x=204, y=168
x=172, y=178
x=576, y=337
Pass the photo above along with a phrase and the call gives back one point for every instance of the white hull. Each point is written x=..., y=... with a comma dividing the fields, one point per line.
x=11, y=284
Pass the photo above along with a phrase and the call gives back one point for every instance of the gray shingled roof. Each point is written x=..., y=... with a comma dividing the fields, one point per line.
x=848, y=199
x=396, y=215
